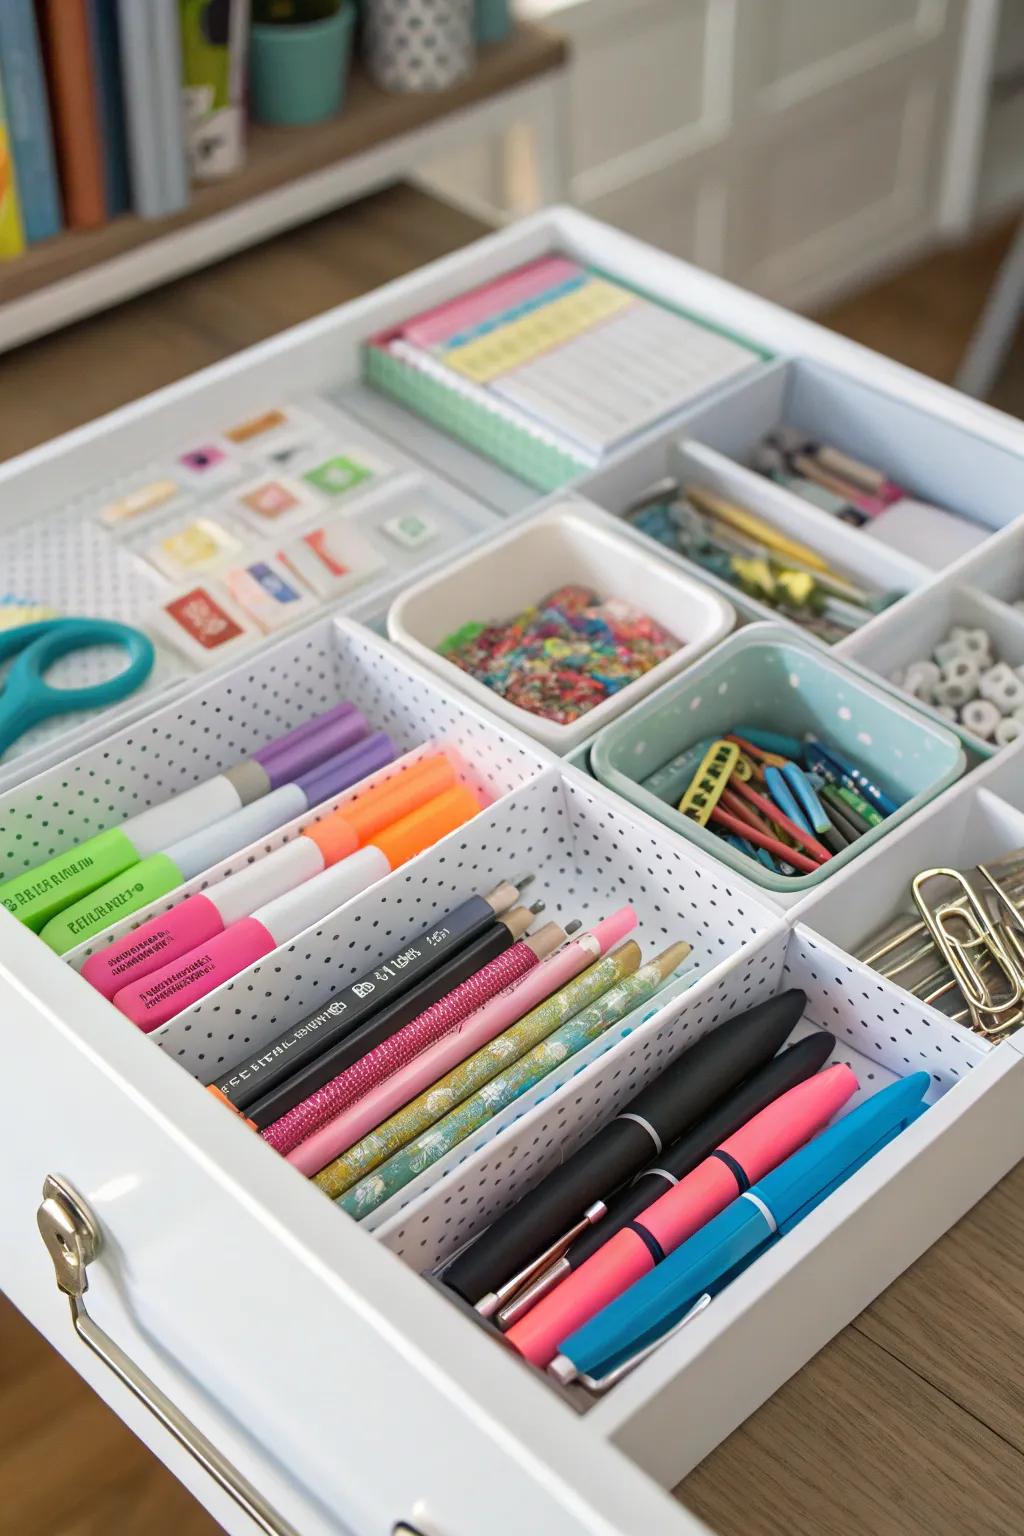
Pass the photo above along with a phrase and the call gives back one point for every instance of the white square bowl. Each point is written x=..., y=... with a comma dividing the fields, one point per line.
x=573, y=541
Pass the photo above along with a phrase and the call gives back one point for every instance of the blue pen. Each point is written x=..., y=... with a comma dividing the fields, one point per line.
x=760, y=854
x=682, y=1284
x=813, y=809
x=783, y=797
x=770, y=741
x=860, y=781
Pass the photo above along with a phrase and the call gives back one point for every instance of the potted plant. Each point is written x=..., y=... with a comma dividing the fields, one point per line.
x=299, y=59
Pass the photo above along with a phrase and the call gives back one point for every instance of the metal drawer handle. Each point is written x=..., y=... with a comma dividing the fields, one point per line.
x=73, y=1240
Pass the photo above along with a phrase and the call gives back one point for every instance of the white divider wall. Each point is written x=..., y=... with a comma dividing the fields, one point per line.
x=586, y=859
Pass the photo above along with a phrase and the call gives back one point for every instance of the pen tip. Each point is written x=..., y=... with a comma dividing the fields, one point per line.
x=538, y=906
x=574, y=926
x=522, y=881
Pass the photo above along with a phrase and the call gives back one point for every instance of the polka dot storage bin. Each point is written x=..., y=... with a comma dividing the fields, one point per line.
x=419, y=45
x=765, y=677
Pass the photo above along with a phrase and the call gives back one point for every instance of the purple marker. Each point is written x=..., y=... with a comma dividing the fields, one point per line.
x=166, y=870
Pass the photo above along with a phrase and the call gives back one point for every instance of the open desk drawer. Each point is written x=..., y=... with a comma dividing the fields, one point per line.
x=348, y=1389
x=341, y=1382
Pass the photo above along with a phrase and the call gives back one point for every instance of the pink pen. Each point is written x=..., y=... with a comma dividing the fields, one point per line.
x=761, y=1145
x=353, y=1122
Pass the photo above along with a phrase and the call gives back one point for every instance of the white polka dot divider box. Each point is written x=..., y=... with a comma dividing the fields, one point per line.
x=767, y=677
x=419, y=45
x=225, y=718
x=587, y=857
x=881, y=1034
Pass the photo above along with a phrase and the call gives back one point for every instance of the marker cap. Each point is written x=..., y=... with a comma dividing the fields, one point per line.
x=425, y=826
x=346, y=768
x=298, y=757
x=347, y=828
x=290, y=739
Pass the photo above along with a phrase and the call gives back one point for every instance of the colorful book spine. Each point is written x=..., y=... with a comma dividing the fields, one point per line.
x=215, y=40
x=12, y=238
x=67, y=47
x=28, y=120
x=151, y=67
x=106, y=54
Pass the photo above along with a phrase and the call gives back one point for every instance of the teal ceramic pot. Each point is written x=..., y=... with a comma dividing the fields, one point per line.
x=493, y=21
x=298, y=73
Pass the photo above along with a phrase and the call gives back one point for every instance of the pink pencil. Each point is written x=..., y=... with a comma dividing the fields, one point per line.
x=353, y=1122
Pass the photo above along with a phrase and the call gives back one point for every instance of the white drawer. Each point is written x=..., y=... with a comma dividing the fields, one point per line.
x=347, y=1388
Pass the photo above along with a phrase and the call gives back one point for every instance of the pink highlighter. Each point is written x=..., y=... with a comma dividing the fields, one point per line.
x=761, y=1145
x=163, y=938
x=352, y=1123
x=308, y=899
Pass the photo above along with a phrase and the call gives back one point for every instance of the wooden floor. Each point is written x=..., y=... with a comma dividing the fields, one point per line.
x=911, y=1423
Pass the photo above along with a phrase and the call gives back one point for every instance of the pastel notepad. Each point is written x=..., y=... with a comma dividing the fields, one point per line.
x=558, y=354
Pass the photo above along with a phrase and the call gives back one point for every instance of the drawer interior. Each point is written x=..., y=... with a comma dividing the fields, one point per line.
x=587, y=851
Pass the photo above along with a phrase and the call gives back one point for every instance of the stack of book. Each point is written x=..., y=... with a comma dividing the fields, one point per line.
x=100, y=109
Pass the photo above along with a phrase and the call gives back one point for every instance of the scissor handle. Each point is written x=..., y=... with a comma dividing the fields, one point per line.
x=28, y=698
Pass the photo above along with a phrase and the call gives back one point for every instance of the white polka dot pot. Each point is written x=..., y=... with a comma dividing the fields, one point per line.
x=766, y=678
x=418, y=45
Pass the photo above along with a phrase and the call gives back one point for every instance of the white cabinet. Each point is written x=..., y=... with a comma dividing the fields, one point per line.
x=794, y=145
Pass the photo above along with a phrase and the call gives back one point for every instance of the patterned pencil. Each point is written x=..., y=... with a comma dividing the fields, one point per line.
x=509, y=1085
x=450, y=1088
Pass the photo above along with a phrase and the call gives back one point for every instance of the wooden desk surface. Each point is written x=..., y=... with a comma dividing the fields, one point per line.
x=911, y=1423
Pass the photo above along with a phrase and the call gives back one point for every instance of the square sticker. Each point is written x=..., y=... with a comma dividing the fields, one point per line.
x=206, y=465
x=338, y=476
x=204, y=624
x=410, y=529
x=270, y=500
x=332, y=558
x=192, y=547
x=269, y=592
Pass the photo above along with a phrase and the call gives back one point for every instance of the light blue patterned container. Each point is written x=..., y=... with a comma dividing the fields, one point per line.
x=767, y=677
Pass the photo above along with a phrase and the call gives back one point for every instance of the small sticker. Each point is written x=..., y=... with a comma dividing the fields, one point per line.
x=201, y=460
x=199, y=545
x=256, y=426
x=146, y=499
x=332, y=559
x=411, y=529
x=269, y=592
x=270, y=499
x=337, y=476
x=203, y=619
x=273, y=583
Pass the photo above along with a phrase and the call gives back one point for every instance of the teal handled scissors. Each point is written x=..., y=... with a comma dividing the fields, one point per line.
x=25, y=695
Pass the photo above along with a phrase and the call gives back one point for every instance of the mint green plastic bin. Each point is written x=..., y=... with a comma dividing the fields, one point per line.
x=765, y=676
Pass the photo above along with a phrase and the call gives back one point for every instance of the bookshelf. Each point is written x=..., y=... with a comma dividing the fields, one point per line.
x=293, y=175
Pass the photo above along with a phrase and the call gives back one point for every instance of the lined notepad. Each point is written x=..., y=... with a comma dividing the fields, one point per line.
x=572, y=358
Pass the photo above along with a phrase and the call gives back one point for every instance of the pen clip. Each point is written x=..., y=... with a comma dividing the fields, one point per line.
x=601, y=1384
